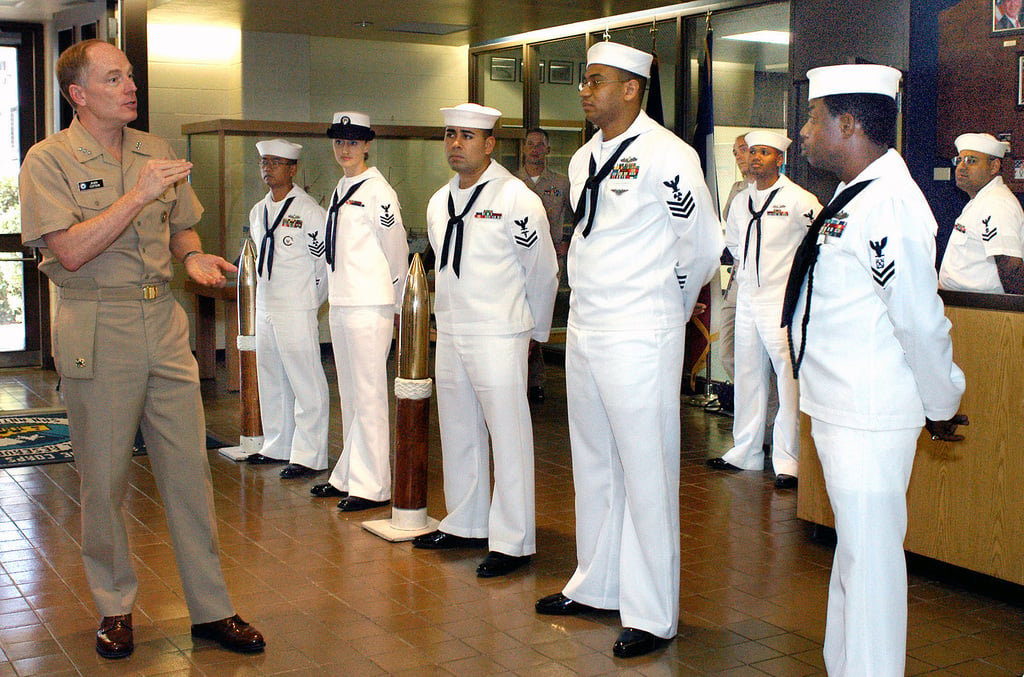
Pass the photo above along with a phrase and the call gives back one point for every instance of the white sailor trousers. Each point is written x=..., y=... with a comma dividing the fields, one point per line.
x=294, y=397
x=623, y=391
x=361, y=338
x=481, y=387
x=866, y=475
x=762, y=348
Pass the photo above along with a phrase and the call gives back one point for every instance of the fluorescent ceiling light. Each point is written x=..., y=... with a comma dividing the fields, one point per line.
x=771, y=37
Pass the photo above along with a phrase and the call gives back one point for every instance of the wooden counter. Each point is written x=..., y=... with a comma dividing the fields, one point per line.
x=965, y=501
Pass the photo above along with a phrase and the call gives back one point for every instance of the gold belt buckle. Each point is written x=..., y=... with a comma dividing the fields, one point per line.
x=149, y=292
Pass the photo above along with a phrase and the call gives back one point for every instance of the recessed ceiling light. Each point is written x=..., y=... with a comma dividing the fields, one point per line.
x=363, y=24
x=771, y=37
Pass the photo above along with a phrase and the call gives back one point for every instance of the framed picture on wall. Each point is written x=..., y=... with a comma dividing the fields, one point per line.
x=1020, y=80
x=560, y=72
x=503, y=68
x=583, y=71
x=1007, y=16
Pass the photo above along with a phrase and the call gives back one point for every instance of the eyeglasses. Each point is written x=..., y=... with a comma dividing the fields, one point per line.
x=592, y=84
x=969, y=160
x=274, y=162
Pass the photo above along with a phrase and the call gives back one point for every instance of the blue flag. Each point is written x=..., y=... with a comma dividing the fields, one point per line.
x=704, y=131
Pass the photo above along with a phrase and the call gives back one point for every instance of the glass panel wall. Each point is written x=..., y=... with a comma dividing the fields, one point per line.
x=750, y=75
x=663, y=39
x=562, y=62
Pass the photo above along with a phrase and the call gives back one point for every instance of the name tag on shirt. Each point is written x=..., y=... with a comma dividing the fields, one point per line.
x=89, y=185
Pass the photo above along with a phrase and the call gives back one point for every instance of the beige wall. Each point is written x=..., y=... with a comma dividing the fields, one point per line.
x=269, y=76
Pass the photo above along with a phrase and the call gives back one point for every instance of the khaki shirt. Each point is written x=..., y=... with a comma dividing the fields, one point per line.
x=69, y=178
x=553, y=189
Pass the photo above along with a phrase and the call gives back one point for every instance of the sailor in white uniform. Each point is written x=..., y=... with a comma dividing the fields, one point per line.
x=496, y=279
x=367, y=258
x=647, y=239
x=984, y=253
x=877, y=360
x=287, y=228
x=766, y=222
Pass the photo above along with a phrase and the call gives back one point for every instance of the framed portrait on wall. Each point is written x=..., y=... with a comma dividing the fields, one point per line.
x=1020, y=80
x=1007, y=16
x=560, y=72
x=503, y=68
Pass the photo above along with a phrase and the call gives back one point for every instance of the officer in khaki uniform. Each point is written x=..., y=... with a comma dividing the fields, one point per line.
x=553, y=190
x=108, y=206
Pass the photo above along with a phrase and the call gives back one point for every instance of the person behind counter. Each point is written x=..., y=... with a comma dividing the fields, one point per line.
x=876, y=353
x=985, y=249
x=109, y=207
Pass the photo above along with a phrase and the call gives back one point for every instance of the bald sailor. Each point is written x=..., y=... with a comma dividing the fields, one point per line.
x=766, y=222
x=985, y=250
x=496, y=279
x=287, y=228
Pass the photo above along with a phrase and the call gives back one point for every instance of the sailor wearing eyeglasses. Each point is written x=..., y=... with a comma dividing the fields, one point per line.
x=287, y=227
x=985, y=249
x=647, y=239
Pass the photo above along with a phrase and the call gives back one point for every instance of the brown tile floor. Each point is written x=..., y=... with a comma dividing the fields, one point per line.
x=333, y=599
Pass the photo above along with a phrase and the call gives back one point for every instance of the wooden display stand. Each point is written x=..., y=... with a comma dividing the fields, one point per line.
x=965, y=506
x=206, y=330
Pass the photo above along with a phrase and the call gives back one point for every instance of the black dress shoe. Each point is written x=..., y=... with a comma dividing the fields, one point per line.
x=114, y=637
x=560, y=605
x=633, y=642
x=720, y=464
x=260, y=459
x=439, y=540
x=355, y=504
x=294, y=470
x=785, y=482
x=327, y=490
x=500, y=564
x=232, y=633
x=535, y=394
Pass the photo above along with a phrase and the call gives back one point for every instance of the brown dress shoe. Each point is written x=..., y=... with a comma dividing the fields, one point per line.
x=114, y=637
x=232, y=633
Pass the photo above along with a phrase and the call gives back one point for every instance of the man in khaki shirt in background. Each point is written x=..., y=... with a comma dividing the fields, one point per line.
x=553, y=190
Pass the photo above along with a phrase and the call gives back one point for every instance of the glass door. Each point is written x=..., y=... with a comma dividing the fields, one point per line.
x=24, y=300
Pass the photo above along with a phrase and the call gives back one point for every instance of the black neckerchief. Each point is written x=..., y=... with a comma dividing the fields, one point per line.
x=593, y=182
x=268, y=236
x=454, y=231
x=755, y=220
x=331, y=231
x=803, y=267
